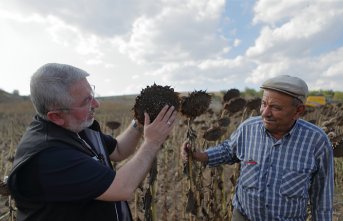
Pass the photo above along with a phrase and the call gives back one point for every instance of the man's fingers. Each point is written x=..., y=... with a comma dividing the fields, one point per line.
x=185, y=151
x=162, y=113
x=146, y=118
x=172, y=116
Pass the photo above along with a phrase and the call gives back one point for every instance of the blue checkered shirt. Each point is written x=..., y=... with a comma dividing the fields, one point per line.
x=278, y=178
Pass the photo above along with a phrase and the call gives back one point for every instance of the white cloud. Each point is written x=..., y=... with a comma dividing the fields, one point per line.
x=335, y=70
x=272, y=11
x=179, y=32
x=303, y=33
x=236, y=42
x=126, y=45
x=294, y=38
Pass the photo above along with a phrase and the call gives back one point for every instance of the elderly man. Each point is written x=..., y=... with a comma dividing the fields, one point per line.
x=285, y=161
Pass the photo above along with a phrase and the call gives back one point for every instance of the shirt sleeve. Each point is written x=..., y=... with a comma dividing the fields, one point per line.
x=323, y=184
x=224, y=153
x=64, y=174
x=110, y=142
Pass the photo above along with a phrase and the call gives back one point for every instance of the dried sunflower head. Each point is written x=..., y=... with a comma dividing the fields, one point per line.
x=195, y=104
x=235, y=105
x=4, y=191
x=113, y=125
x=152, y=99
x=232, y=93
x=338, y=151
x=223, y=122
x=337, y=146
x=312, y=121
x=214, y=133
x=254, y=104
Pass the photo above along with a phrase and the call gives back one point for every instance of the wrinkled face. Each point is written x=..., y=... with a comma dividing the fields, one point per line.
x=279, y=112
x=80, y=114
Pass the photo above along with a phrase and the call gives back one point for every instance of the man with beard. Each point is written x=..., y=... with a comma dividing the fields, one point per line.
x=285, y=161
x=62, y=168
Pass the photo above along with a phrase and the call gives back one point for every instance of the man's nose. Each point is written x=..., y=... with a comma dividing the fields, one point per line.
x=95, y=103
x=265, y=111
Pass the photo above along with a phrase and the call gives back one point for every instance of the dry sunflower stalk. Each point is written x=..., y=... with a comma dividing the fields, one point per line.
x=192, y=106
x=151, y=100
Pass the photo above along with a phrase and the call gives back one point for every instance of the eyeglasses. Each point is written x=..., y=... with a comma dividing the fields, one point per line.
x=87, y=102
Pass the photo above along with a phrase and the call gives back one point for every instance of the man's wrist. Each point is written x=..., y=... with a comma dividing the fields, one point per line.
x=200, y=156
x=136, y=126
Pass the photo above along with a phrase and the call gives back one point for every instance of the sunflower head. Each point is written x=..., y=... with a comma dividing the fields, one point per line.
x=4, y=191
x=152, y=99
x=235, y=105
x=254, y=104
x=113, y=124
x=232, y=93
x=224, y=121
x=195, y=104
x=214, y=133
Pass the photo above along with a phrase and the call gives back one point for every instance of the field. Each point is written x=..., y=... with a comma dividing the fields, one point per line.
x=167, y=193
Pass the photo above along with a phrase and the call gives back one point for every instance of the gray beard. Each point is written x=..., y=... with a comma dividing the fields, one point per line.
x=81, y=127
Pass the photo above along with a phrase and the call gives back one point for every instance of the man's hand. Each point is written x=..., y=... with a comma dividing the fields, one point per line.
x=156, y=132
x=185, y=151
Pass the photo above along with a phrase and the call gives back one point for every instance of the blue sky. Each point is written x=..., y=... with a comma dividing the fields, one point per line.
x=211, y=45
x=239, y=14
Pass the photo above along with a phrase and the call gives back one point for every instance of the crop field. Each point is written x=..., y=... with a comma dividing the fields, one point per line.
x=172, y=190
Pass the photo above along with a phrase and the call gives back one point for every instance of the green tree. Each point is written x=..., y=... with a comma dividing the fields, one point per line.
x=338, y=96
x=15, y=92
x=251, y=93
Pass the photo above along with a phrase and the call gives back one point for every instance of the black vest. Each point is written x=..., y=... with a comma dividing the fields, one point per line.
x=40, y=135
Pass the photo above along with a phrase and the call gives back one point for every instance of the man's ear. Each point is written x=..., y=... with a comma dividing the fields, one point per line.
x=300, y=111
x=56, y=117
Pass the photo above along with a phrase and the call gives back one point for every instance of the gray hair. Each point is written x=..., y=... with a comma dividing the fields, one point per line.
x=50, y=86
x=296, y=102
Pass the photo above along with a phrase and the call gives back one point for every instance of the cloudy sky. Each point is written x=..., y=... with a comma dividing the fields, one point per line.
x=186, y=44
